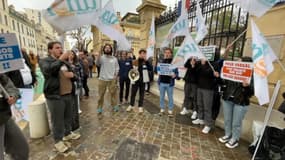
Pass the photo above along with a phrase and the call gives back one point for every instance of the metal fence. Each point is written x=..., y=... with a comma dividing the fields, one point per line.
x=225, y=22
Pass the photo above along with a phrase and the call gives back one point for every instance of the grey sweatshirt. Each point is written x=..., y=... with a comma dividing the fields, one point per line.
x=109, y=67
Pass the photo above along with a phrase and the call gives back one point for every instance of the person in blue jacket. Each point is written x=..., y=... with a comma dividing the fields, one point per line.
x=125, y=64
x=166, y=84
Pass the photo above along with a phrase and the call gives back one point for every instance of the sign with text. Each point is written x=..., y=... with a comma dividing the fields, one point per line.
x=20, y=108
x=10, y=55
x=237, y=71
x=164, y=69
x=209, y=52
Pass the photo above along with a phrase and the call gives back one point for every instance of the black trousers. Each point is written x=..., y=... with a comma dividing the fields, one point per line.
x=98, y=71
x=75, y=114
x=123, y=82
x=135, y=88
x=85, y=86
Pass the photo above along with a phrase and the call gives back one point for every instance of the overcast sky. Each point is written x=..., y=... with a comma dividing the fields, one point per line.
x=123, y=6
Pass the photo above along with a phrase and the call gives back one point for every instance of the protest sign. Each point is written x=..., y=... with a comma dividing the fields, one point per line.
x=237, y=71
x=164, y=69
x=209, y=52
x=10, y=55
x=20, y=109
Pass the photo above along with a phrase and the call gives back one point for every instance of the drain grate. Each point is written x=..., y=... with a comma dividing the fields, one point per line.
x=131, y=149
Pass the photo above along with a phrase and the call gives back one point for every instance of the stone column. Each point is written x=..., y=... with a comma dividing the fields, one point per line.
x=146, y=10
x=96, y=38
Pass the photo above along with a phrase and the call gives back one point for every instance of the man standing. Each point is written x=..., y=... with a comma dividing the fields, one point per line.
x=125, y=66
x=166, y=84
x=143, y=67
x=57, y=91
x=12, y=140
x=108, y=77
x=84, y=63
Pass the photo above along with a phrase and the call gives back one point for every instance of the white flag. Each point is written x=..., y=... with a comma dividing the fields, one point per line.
x=187, y=49
x=255, y=7
x=201, y=27
x=65, y=15
x=180, y=28
x=263, y=56
x=151, y=40
x=108, y=23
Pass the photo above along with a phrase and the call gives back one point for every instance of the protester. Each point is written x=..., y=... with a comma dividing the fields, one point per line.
x=108, y=78
x=166, y=84
x=235, y=105
x=57, y=90
x=78, y=71
x=33, y=60
x=84, y=63
x=91, y=63
x=205, y=94
x=12, y=140
x=190, y=88
x=143, y=68
x=125, y=66
x=23, y=78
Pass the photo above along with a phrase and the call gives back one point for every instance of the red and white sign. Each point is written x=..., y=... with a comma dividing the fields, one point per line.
x=237, y=71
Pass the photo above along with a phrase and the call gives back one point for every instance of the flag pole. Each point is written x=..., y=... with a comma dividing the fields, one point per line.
x=267, y=115
x=4, y=90
x=281, y=65
x=238, y=37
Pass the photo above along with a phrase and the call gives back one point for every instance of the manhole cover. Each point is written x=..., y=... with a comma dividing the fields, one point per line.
x=151, y=107
x=134, y=150
x=183, y=119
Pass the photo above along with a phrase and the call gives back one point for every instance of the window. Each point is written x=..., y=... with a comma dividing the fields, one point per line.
x=4, y=5
x=23, y=28
x=13, y=24
x=18, y=27
x=6, y=20
x=2, y=30
x=27, y=31
x=20, y=40
x=1, y=22
x=24, y=41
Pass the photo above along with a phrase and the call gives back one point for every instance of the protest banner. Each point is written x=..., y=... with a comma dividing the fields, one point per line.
x=19, y=110
x=164, y=69
x=237, y=71
x=208, y=51
x=10, y=55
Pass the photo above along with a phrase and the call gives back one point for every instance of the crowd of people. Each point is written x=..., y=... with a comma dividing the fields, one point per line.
x=66, y=83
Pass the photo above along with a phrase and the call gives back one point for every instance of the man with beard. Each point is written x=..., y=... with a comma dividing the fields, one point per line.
x=108, y=78
x=143, y=68
x=166, y=84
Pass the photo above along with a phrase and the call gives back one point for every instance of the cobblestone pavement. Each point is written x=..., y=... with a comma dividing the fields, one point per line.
x=101, y=138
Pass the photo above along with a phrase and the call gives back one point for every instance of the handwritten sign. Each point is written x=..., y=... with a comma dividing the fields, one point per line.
x=10, y=55
x=19, y=110
x=209, y=52
x=237, y=71
x=164, y=69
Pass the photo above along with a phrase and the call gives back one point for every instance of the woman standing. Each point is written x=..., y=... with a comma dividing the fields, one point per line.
x=235, y=105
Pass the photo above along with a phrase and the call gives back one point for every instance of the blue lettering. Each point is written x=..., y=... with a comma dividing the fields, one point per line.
x=189, y=48
x=257, y=52
x=179, y=26
x=6, y=65
x=79, y=7
x=109, y=18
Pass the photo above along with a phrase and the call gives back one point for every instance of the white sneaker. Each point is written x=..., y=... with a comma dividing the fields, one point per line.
x=140, y=109
x=130, y=108
x=232, y=144
x=60, y=147
x=206, y=129
x=184, y=111
x=79, y=111
x=161, y=112
x=71, y=136
x=194, y=115
x=224, y=139
x=198, y=121
x=170, y=113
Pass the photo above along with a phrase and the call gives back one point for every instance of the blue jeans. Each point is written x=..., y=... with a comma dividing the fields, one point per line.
x=233, y=116
x=165, y=87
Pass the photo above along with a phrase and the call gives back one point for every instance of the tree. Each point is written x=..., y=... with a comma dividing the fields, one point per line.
x=82, y=37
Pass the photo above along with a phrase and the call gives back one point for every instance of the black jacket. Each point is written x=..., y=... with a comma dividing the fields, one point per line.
x=191, y=73
x=50, y=68
x=141, y=64
x=235, y=92
x=5, y=111
x=206, y=78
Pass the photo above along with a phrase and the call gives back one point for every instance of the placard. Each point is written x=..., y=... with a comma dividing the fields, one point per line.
x=237, y=71
x=209, y=52
x=10, y=55
x=164, y=69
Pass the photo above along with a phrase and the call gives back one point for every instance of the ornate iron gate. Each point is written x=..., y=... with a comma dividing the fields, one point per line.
x=225, y=22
